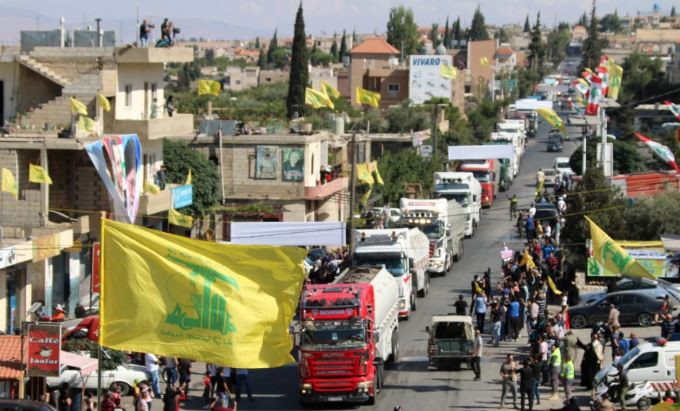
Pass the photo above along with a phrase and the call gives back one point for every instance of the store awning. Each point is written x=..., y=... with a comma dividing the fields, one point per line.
x=86, y=365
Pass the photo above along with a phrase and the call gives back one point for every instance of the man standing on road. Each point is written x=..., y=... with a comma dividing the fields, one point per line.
x=613, y=319
x=623, y=385
x=554, y=363
x=567, y=376
x=151, y=362
x=513, y=207
x=480, y=310
x=461, y=305
x=508, y=380
x=526, y=384
x=475, y=362
x=513, y=316
x=497, y=314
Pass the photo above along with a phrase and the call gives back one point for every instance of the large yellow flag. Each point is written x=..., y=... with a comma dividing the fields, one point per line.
x=209, y=87
x=527, y=260
x=364, y=174
x=177, y=218
x=86, y=123
x=329, y=90
x=615, y=78
x=77, y=107
x=317, y=99
x=612, y=257
x=151, y=188
x=448, y=71
x=373, y=168
x=175, y=296
x=104, y=102
x=9, y=183
x=369, y=98
x=552, y=117
x=37, y=174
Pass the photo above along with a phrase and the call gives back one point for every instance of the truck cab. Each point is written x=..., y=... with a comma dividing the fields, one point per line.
x=348, y=330
x=465, y=190
x=487, y=173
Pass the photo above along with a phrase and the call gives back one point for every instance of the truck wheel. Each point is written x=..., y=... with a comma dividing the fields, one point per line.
x=426, y=286
x=643, y=404
x=394, y=358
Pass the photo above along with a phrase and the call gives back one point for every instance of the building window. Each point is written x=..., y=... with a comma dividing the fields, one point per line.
x=154, y=91
x=268, y=79
x=128, y=95
x=238, y=82
x=393, y=89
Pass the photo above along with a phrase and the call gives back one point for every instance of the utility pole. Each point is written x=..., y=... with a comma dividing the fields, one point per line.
x=583, y=154
x=352, y=190
x=434, y=131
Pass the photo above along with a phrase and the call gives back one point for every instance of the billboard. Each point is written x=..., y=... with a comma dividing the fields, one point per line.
x=425, y=79
x=44, y=347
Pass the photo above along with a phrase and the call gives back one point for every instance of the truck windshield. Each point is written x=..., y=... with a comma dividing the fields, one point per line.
x=336, y=333
x=393, y=263
x=461, y=198
x=432, y=231
x=482, y=176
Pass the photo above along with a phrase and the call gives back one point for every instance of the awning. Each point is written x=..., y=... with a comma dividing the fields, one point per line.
x=86, y=365
x=671, y=242
x=288, y=233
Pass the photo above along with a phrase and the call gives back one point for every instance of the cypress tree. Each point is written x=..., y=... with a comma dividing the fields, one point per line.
x=343, y=47
x=478, y=27
x=273, y=45
x=257, y=43
x=262, y=60
x=527, y=27
x=592, y=47
x=295, y=102
x=457, y=32
x=334, y=48
x=447, y=34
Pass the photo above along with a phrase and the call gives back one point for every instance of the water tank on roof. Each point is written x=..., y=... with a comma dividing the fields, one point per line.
x=441, y=50
x=339, y=126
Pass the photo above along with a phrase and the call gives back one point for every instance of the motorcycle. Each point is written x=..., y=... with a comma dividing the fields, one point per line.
x=639, y=395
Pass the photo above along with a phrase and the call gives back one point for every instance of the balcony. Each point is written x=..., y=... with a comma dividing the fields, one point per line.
x=155, y=203
x=321, y=191
x=155, y=128
x=154, y=55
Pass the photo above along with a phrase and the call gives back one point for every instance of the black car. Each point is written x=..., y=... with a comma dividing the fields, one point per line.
x=636, y=307
x=554, y=143
x=546, y=212
x=24, y=405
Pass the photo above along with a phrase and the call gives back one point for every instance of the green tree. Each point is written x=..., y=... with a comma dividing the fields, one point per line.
x=447, y=34
x=178, y=159
x=557, y=44
x=355, y=38
x=402, y=167
x=343, y=47
x=434, y=35
x=262, y=60
x=319, y=58
x=478, y=27
x=673, y=11
x=257, y=43
x=611, y=23
x=536, y=48
x=502, y=36
x=527, y=25
x=334, y=49
x=299, y=77
x=592, y=47
x=583, y=20
x=402, y=30
x=406, y=118
x=483, y=118
x=273, y=46
x=627, y=157
x=456, y=32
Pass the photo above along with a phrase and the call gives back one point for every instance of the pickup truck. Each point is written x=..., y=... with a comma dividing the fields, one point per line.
x=450, y=340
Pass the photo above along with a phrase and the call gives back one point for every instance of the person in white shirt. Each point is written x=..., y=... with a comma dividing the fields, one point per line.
x=532, y=210
x=151, y=362
x=561, y=205
x=477, y=349
x=547, y=230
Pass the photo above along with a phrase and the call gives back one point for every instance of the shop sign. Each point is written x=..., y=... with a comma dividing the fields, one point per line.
x=44, y=348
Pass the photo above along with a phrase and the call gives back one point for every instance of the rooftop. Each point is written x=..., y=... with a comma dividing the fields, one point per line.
x=10, y=354
x=504, y=51
x=376, y=45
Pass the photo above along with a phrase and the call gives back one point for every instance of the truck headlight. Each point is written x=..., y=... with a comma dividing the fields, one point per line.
x=306, y=389
x=364, y=386
x=402, y=304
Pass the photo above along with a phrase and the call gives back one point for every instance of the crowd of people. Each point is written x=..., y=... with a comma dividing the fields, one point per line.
x=326, y=265
x=168, y=33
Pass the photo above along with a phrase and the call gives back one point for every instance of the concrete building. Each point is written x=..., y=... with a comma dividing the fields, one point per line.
x=239, y=79
x=506, y=59
x=656, y=42
x=481, y=75
x=579, y=33
x=50, y=230
x=301, y=174
x=272, y=76
x=374, y=66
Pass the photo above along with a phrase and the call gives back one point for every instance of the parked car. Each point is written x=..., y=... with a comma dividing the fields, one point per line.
x=124, y=375
x=658, y=288
x=554, y=143
x=635, y=307
x=551, y=176
x=24, y=405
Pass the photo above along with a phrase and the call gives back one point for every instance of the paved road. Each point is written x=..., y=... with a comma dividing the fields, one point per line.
x=409, y=383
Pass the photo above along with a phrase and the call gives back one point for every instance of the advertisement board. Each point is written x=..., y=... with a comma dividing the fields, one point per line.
x=44, y=348
x=654, y=259
x=425, y=79
x=182, y=196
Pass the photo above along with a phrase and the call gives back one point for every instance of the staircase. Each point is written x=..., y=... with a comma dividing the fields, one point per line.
x=32, y=64
x=56, y=112
x=87, y=84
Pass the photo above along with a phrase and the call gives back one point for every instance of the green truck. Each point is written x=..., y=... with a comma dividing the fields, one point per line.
x=450, y=341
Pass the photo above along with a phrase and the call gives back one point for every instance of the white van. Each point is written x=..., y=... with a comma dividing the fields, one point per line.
x=651, y=362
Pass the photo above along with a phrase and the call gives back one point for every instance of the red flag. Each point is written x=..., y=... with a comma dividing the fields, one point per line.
x=594, y=96
x=674, y=109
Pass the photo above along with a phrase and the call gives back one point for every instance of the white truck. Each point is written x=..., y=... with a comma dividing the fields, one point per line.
x=404, y=253
x=465, y=190
x=517, y=146
x=514, y=127
x=443, y=221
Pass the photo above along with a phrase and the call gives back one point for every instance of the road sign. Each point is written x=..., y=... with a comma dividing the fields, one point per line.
x=182, y=196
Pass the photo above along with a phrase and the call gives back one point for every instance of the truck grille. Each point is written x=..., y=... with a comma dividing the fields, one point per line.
x=332, y=367
x=433, y=247
x=334, y=386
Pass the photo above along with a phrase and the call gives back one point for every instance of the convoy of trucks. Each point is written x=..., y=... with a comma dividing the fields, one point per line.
x=465, y=190
x=404, y=252
x=487, y=172
x=443, y=222
x=349, y=329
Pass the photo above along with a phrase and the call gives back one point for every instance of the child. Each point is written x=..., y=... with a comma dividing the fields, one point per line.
x=207, y=384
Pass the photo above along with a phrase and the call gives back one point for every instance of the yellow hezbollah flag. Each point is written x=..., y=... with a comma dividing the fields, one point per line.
x=478, y=289
x=364, y=174
x=86, y=123
x=150, y=187
x=527, y=260
x=177, y=218
x=448, y=71
x=551, y=117
x=373, y=168
x=369, y=98
x=554, y=289
x=175, y=296
x=189, y=179
x=664, y=406
x=209, y=87
x=612, y=257
x=77, y=107
x=329, y=90
x=484, y=61
x=317, y=99
x=9, y=183
x=104, y=102
x=615, y=78
x=37, y=174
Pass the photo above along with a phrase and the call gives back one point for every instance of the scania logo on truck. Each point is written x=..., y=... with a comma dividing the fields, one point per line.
x=333, y=355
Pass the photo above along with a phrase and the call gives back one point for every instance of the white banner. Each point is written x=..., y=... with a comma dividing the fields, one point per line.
x=531, y=104
x=481, y=152
x=289, y=233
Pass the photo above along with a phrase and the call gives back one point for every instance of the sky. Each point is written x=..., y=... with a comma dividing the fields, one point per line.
x=217, y=19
